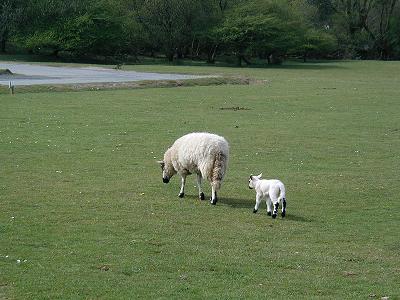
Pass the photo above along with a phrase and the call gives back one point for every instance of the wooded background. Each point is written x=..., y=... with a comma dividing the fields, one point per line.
x=209, y=30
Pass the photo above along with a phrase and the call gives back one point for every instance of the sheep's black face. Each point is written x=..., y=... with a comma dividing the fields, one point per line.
x=165, y=173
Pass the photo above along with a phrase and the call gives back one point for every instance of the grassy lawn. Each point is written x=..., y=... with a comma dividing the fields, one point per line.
x=84, y=210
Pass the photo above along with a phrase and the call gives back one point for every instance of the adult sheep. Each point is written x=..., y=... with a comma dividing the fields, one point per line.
x=201, y=153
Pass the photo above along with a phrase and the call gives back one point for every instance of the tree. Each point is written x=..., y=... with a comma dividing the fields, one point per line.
x=168, y=22
x=10, y=12
x=363, y=26
x=318, y=43
x=269, y=27
x=80, y=27
x=379, y=29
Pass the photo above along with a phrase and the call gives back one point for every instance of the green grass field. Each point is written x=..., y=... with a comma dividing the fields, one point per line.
x=84, y=210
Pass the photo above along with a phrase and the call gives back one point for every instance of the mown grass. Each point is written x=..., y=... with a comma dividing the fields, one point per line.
x=85, y=211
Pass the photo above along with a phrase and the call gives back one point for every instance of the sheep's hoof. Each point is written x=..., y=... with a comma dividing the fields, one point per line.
x=255, y=210
x=181, y=195
x=273, y=216
x=213, y=201
x=202, y=196
x=283, y=214
x=268, y=213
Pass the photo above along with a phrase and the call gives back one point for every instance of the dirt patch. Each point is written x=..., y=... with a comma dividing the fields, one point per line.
x=5, y=72
x=234, y=108
x=210, y=81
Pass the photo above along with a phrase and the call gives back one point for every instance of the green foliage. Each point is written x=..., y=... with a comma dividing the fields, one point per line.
x=43, y=40
x=91, y=34
x=11, y=16
x=363, y=27
x=268, y=26
x=394, y=36
x=204, y=29
x=318, y=43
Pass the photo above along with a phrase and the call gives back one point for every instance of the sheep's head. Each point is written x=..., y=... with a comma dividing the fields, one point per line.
x=167, y=169
x=253, y=179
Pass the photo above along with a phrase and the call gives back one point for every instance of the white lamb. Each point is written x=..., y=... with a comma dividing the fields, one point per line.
x=274, y=192
x=200, y=153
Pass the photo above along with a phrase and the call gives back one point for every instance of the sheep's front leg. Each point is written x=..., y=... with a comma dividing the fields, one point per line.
x=199, y=185
x=182, y=191
x=269, y=206
x=258, y=201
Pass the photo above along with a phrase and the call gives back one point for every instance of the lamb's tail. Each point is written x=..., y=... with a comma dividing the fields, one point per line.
x=282, y=198
x=219, y=168
x=282, y=194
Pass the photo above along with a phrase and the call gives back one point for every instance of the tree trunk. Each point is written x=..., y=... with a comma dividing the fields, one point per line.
x=179, y=53
x=211, y=55
x=246, y=60
x=304, y=57
x=3, y=46
x=3, y=41
x=269, y=56
x=239, y=57
x=170, y=56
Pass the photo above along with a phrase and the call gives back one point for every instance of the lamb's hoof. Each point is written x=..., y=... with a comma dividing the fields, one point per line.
x=268, y=213
x=213, y=201
x=283, y=214
x=202, y=196
x=274, y=216
x=255, y=210
x=181, y=195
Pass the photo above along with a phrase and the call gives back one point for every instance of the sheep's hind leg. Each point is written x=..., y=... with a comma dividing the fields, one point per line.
x=214, y=198
x=182, y=191
x=199, y=185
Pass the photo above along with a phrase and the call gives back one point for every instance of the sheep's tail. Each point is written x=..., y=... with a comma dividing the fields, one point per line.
x=219, y=168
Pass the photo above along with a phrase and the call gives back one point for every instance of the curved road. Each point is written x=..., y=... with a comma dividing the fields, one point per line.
x=26, y=74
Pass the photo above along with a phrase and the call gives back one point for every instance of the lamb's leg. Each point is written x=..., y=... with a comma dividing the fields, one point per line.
x=182, y=191
x=269, y=206
x=258, y=201
x=199, y=182
x=275, y=203
x=283, y=207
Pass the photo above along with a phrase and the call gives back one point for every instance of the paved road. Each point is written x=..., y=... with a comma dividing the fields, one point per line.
x=25, y=74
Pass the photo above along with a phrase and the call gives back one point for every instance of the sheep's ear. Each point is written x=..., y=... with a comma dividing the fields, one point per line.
x=162, y=163
x=251, y=176
x=259, y=176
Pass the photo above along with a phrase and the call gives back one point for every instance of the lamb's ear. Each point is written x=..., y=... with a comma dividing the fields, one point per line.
x=259, y=176
x=162, y=163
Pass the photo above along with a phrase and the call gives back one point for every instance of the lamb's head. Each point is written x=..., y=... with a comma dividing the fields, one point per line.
x=253, y=179
x=167, y=168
